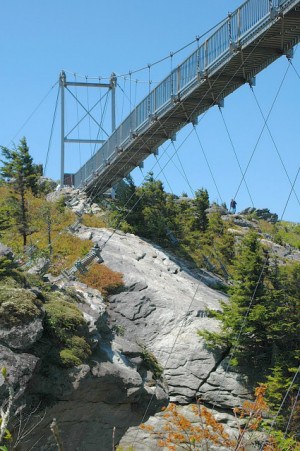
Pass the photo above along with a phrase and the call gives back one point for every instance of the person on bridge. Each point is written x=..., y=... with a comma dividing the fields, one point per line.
x=233, y=205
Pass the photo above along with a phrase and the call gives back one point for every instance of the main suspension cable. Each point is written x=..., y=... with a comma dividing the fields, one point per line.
x=34, y=111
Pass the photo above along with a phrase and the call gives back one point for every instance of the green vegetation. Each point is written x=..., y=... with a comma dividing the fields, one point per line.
x=180, y=224
x=260, y=323
x=90, y=220
x=19, y=169
x=152, y=363
x=17, y=306
x=6, y=266
x=64, y=322
x=63, y=248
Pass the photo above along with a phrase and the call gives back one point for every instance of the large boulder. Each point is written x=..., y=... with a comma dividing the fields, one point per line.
x=162, y=309
x=113, y=390
x=20, y=369
x=21, y=318
x=261, y=213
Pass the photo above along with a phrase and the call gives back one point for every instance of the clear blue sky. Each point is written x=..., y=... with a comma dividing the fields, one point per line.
x=95, y=38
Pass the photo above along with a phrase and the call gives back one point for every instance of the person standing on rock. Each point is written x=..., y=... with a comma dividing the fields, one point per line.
x=233, y=205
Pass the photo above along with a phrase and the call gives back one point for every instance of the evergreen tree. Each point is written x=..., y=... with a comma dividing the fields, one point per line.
x=152, y=204
x=5, y=218
x=18, y=168
x=125, y=193
x=247, y=297
x=202, y=204
x=282, y=325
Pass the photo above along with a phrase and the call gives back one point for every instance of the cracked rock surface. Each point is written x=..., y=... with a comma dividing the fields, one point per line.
x=162, y=308
x=156, y=316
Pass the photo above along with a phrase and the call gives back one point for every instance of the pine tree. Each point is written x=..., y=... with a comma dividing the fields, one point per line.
x=152, y=205
x=5, y=218
x=283, y=330
x=243, y=316
x=18, y=168
x=202, y=204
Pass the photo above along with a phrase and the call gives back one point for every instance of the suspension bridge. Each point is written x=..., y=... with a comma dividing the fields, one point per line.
x=245, y=43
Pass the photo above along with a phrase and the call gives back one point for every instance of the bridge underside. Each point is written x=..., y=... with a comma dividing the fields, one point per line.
x=235, y=67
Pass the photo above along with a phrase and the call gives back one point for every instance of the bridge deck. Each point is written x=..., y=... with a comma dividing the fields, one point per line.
x=249, y=40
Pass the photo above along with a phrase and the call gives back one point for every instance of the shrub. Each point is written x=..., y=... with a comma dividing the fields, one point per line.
x=152, y=363
x=63, y=319
x=6, y=266
x=91, y=220
x=77, y=351
x=68, y=359
x=17, y=306
x=65, y=323
x=66, y=250
x=103, y=279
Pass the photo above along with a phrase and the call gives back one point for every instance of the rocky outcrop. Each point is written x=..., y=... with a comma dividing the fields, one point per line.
x=46, y=184
x=77, y=200
x=162, y=308
x=148, y=328
x=280, y=251
x=113, y=388
x=20, y=367
x=22, y=337
x=88, y=401
x=263, y=213
x=21, y=317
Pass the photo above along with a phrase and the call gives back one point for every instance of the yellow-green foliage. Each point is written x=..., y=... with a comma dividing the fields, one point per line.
x=66, y=250
x=120, y=448
x=63, y=319
x=103, y=279
x=66, y=247
x=17, y=306
x=68, y=358
x=282, y=232
x=78, y=350
x=152, y=363
x=91, y=220
x=65, y=323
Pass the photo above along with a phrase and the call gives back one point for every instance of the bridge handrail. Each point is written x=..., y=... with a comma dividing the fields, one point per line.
x=235, y=30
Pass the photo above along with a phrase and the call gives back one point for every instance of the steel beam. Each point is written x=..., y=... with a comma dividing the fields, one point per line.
x=85, y=141
x=88, y=85
x=62, y=81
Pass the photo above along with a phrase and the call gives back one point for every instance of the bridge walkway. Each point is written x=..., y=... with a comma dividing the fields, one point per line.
x=249, y=40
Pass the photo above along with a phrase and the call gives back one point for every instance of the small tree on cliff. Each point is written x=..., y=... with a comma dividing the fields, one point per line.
x=22, y=173
x=152, y=205
x=202, y=203
x=247, y=297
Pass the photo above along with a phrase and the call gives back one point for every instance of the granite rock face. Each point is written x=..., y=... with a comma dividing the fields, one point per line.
x=112, y=389
x=161, y=308
x=22, y=337
x=20, y=366
x=148, y=328
x=88, y=401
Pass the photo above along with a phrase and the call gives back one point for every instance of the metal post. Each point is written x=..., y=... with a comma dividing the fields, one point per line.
x=62, y=82
x=113, y=82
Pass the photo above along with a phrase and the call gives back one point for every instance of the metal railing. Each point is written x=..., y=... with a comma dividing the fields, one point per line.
x=236, y=30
